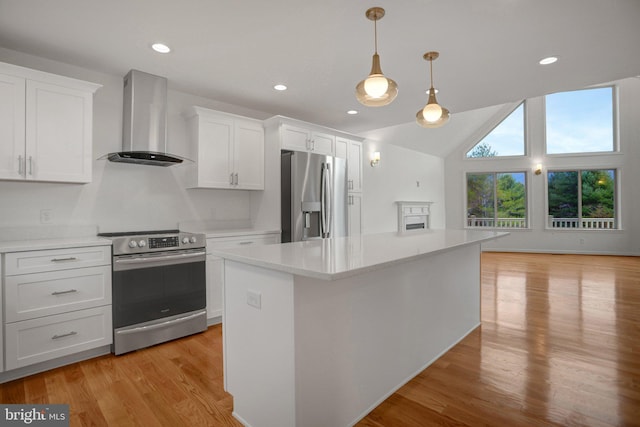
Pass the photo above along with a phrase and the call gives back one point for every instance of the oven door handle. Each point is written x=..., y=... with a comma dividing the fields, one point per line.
x=130, y=263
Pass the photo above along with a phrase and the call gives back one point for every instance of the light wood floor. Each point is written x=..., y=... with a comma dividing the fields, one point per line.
x=559, y=345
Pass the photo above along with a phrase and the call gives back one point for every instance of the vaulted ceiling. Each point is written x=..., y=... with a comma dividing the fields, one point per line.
x=235, y=51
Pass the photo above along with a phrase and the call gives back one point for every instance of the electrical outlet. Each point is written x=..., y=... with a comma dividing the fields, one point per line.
x=254, y=299
x=46, y=216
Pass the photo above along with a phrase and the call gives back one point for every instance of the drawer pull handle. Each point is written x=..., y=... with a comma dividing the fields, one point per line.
x=71, y=258
x=57, y=337
x=70, y=291
x=245, y=243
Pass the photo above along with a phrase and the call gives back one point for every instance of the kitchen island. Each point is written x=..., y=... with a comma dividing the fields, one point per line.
x=318, y=333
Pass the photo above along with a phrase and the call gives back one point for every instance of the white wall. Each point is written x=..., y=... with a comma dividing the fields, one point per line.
x=402, y=174
x=538, y=239
x=122, y=196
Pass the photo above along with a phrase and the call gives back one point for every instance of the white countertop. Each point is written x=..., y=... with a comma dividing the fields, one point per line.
x=54, y=243
x=337, y=258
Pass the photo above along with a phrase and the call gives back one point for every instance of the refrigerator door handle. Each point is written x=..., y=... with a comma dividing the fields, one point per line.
x=323, y=199
x=329, y=198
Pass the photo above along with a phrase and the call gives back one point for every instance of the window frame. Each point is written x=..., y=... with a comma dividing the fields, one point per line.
x=527, y=192
x=615, y=124
x=482, y=134
x=616, y=199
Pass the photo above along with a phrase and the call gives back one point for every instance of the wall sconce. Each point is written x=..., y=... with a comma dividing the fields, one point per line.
x=538, y=169
x=375, y=158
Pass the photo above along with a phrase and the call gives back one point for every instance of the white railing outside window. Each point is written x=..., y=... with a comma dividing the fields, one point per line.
x=474, y=221
x=588, y=223
x=558, y=223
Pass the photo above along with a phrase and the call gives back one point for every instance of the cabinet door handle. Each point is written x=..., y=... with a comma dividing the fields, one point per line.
x=57, y=337
x=313, y=145
x=231, y=178
x=245, y=243
x=71, y=258
x=20, y=171
x=70, y=291
x=236, y=181
x=30, y=165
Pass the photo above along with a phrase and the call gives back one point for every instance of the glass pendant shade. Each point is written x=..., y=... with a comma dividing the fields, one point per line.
x=444, y=118
x=376, y=85
x=376, y=90
x=432, y=111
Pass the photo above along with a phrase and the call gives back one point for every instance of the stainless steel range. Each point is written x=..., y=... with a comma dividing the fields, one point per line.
x=158, y=287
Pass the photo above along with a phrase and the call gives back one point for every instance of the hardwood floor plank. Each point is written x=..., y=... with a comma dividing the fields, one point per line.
x=559, y=345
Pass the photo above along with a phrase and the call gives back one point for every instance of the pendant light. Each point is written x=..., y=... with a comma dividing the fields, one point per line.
x=376, y=90
x=432, y=115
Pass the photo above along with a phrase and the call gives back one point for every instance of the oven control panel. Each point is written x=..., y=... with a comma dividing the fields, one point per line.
x=163, y=242
x=135, y=244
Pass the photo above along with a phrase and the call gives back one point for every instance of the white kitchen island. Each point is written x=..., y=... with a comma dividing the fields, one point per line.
x=318, y=333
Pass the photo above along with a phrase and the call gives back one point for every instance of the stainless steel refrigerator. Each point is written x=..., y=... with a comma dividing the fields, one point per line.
x=314, y=196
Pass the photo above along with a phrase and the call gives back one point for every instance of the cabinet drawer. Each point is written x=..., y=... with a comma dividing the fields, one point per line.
x=56, y=259
x=38, y=340
x=240, y=241
x=41, y=294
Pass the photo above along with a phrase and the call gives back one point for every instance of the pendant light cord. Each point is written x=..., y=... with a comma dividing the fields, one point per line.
x=431, y=72
x=375, y=34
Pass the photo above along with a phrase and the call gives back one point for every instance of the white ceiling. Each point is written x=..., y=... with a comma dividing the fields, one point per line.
x=235, y=51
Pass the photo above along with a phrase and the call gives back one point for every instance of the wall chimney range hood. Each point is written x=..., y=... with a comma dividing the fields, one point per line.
x=144, y=122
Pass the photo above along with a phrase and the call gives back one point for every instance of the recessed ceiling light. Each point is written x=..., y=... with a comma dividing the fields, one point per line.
x=548, y=60
x=280, y=87
x=161, y=48
x=352, y=112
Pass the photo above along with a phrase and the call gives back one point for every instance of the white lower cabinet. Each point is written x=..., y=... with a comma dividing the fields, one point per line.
x=215, y=266
x=56, y=303
x=44, y=338
x=1, y=317
x=55, y=292
x=355, y=214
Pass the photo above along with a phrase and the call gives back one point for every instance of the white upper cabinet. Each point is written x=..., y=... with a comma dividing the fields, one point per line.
x=46, y=125
x=12, y=148
x=228, y=151
x=300, y=139
x=352, y=151
x=249, y=154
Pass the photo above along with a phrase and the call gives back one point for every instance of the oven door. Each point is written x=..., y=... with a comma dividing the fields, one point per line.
x=158, y=285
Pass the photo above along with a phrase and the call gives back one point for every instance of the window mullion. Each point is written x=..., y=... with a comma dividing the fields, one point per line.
x=495, y=199
x=579, y=199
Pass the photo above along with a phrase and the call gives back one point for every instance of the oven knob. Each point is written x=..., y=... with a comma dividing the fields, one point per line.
x=192, y=239
x=185, y=240
x=133, y=244
x=142, y=243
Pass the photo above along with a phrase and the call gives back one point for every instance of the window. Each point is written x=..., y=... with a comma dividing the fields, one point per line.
x=581, y=199
x=506, y=139
x=497, y=200
x=580, y=121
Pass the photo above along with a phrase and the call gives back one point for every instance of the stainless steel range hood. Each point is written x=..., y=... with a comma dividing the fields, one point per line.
x=144, y=133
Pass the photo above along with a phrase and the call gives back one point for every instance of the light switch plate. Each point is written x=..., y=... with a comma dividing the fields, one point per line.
x=254, y=299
